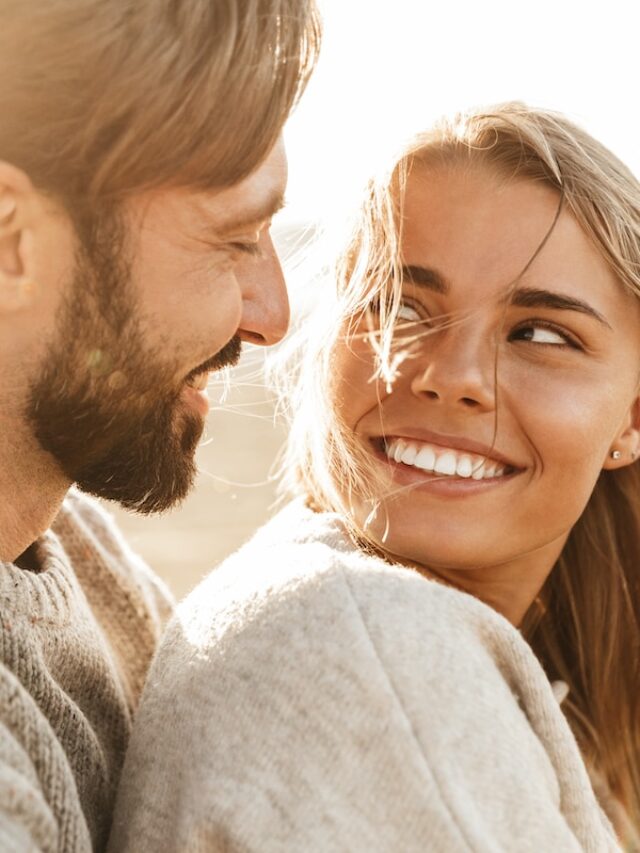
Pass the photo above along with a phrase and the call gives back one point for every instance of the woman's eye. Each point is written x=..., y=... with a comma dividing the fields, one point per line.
x=538, y=334
x=408, y=314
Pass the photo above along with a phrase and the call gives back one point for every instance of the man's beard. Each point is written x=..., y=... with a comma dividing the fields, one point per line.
x=105, y=407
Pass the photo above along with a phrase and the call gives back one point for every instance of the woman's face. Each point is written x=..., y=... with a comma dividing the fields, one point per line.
x=513, y=469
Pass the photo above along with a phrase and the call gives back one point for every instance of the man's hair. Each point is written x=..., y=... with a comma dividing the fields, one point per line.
x=102, y=98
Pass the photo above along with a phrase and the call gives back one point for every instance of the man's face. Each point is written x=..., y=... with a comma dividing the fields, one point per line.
x=163, y=292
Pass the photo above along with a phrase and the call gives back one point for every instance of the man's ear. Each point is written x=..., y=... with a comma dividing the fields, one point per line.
x=626, y=447
x=17, y=208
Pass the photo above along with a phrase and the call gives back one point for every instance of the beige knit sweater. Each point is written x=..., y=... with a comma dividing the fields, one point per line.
x=76, y=641
x=311, y=698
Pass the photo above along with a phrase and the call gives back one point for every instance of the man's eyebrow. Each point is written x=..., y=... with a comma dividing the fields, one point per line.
x=253, y=216
x=522, y=297
x=529, y=297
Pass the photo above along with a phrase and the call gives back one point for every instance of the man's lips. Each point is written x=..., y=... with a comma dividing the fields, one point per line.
x=228, y=356
x=199, y=382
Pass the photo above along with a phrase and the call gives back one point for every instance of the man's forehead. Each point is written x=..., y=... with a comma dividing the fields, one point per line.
x=249, y=215
x=253, y=201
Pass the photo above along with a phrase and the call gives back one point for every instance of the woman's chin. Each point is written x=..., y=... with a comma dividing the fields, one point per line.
x=431, y=540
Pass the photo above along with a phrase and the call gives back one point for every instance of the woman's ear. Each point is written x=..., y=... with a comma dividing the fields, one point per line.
x=16, y=210
x=626, y=447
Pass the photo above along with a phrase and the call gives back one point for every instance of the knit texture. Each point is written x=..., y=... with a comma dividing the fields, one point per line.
x=309, y=697
x=76, y=640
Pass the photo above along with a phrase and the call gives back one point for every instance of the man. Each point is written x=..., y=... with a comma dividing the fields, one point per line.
x=140, y=166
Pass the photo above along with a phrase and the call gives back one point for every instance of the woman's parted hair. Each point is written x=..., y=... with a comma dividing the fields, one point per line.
x=588, y=631
x=101, y=98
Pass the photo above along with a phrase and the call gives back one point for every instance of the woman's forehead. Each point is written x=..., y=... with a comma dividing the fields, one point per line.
x=477, y=233
x=476, y=209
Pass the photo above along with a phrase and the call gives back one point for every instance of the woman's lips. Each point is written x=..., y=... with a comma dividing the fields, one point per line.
x=446, y=461
x=441, y=468
x=443, y=441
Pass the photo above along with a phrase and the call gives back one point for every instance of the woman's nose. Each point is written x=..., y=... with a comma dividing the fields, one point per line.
x=457, y=368
x=265, y=312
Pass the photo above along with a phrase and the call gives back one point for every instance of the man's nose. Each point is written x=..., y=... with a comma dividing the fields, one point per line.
x=265, y=303
x=457, y=368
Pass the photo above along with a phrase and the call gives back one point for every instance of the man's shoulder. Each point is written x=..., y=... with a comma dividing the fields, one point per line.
x=99, y=554
x=85, y=517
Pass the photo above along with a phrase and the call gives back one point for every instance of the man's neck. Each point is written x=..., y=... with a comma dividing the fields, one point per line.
x=29, y=560
x=30, y=498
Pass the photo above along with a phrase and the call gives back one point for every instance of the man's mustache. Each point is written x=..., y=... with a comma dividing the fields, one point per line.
x=228, y=356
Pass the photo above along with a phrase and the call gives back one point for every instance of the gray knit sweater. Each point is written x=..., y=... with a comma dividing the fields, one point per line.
x=76, y=640
x=311, y=698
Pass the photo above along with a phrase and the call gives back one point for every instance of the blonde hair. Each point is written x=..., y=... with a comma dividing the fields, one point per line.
x=587, y=632
x=101, y=99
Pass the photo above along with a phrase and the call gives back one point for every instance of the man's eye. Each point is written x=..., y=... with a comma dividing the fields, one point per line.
x=251, y=249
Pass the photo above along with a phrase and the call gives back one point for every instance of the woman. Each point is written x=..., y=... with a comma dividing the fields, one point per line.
x=382, y=667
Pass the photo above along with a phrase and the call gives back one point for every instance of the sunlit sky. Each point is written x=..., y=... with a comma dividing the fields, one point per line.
x=390, y=67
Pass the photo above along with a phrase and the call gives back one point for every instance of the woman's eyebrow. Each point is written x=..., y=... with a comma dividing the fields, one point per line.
x=522, y=297
x=529, y=297
x=425, y=277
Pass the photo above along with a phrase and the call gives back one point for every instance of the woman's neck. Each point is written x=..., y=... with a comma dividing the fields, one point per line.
x=509, y=588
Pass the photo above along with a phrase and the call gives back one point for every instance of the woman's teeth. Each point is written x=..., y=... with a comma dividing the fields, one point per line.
x=444, y=461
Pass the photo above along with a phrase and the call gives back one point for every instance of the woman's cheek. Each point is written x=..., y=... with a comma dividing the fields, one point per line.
x=353, y=391
x=571, y=426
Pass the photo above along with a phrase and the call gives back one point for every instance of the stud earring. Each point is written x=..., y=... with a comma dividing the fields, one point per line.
x=615, y=454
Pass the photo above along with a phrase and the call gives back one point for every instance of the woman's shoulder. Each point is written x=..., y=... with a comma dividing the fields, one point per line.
x=301, y=601
x=302, y=575
x=303, y=664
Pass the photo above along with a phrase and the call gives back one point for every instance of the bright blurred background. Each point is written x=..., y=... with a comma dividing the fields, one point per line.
x=389, y=69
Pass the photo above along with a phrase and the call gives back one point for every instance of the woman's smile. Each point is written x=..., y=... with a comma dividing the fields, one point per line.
x=441, y=464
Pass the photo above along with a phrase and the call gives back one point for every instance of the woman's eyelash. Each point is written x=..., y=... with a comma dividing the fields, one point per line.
x=568, y=339
x=375, y=304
